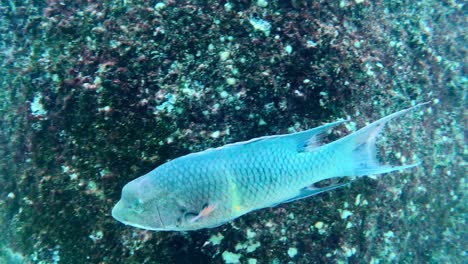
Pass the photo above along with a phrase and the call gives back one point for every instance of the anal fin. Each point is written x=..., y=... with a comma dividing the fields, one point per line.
x=311, y=190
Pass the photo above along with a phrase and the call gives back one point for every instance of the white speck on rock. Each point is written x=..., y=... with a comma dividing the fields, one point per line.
x=262, y=3
x=261, y=25
x=159, y=6
x=358, y=200
x=250, y=234
x=252, y=261
x=292, y=252
x=216, y=239
x=345, y=214
x=319, y=225
x=37, y=108
x=215, y=134
x=230, y=257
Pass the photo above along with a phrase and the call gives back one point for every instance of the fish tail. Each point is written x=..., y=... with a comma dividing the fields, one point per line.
x=361, y=144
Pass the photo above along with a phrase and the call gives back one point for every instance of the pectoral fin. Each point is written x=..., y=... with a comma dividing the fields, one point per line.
x=204, y=212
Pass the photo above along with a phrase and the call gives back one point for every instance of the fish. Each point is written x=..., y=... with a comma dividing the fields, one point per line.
x=210, y=188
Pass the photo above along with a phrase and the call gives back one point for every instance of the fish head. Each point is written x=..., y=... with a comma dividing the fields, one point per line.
x=148, y=205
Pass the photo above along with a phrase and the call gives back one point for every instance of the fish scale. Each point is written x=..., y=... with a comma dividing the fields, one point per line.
x=209, y=188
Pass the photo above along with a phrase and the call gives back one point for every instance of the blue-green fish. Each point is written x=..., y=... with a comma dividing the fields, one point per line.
x=209, y=188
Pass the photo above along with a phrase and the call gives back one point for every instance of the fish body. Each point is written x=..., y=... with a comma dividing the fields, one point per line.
x=209, y=188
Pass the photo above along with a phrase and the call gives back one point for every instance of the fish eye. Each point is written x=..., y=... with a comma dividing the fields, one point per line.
x=137, y=206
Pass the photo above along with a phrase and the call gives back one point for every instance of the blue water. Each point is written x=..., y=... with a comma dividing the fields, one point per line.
x=94, y=95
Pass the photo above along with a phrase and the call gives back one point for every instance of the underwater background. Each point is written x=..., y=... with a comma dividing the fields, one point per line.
x=97, y=93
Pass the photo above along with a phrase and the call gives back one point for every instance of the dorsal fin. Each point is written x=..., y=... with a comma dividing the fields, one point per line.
x=310, y=139
x=305, y=141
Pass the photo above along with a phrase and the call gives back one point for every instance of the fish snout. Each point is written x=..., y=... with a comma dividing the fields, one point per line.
x=117, y=212
x=128, y=215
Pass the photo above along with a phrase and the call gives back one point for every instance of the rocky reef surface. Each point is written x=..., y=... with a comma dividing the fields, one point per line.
x=97, y=93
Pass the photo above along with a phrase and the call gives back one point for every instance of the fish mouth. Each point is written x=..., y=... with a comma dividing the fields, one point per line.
x=120, y=213
x=123, y=215
x=116, y=212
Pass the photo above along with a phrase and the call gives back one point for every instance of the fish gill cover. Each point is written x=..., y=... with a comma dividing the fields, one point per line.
x=96, y=93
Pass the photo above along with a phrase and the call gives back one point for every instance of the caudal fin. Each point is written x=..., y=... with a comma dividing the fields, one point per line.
x=360, y=151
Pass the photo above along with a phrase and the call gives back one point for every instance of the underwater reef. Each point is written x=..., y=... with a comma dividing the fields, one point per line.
x=97, y=93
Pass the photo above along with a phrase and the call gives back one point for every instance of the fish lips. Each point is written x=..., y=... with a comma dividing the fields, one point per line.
x=123, y=214
x=118, y=212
